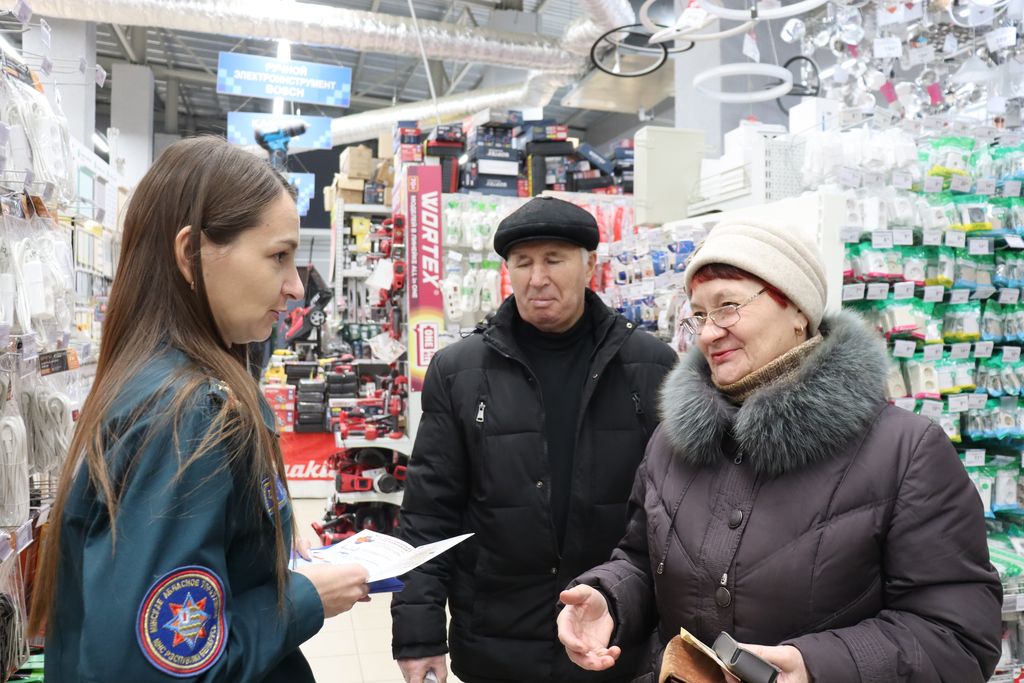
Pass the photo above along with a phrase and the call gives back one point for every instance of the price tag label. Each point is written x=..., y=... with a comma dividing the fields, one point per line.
x=905, y=403
x=1014, y=241
x=921, y=55
x=902, y=180
x=850, y=177
x=974, y=457
x=976, y=401
x=934, y=293
x=455, y=256
x=1011, y=188
x=23, y=12
x=956, y=239
x=950, y=45
x=931, y=409
x=647, y=287
x=884, y=118
x=986, y=186
x=1001, y=38
x=873, y=179
x=904, y=349
x=960, y=128
x=982, y=293
x=983, y=349
x=960, y=183
x=935, y=122
x=887, y=48
x=933, y=351
x=960, y=351
x=933, y=184
x=850, y=117
x=903, y=237
x=903, y=290
x=932, y=238
x=101, y=75
x=1011, y=354
x=854, y=292
x=882, y=239
x=986, y=133
x=850, y=234
x=750, y=48
x=1009, y=296
x=878, y=291
x=958, y=403
x=979, y=246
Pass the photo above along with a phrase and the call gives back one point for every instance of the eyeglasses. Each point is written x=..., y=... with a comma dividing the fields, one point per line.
x=724, y=316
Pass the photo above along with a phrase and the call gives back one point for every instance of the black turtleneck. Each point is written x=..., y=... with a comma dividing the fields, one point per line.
x=560, y=362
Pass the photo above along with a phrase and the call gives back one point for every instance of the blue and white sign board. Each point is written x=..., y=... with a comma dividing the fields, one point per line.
x=294, y=81
x=242, y=129
x=305, y=184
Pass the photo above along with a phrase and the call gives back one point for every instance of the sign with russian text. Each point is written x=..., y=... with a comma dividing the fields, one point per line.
x=295, y=81
x=242, y=127
x=426, y=304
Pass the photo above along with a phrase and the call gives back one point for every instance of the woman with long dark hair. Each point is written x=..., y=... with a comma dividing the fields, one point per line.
x=168, y=548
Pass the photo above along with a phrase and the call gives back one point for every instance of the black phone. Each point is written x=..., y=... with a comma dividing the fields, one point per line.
x=743, y=664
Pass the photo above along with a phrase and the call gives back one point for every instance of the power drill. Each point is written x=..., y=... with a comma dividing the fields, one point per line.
x=276, y=142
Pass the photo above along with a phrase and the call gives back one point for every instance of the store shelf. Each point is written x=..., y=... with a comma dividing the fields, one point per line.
x=366, y=208
x=403, y=445
x=356, y=497
x=355, y=273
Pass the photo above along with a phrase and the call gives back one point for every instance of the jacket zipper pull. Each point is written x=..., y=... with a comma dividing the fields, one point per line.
x=636, y=404
x=480, y=412
x=738, y=460
x=725, y=579
x=661, y=568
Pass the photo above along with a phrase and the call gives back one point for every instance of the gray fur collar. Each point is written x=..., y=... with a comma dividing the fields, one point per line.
x=789, y=424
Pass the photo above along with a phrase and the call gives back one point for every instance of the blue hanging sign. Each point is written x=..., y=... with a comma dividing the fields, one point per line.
x=305, y=184
x=242, y=129
x=294, y=81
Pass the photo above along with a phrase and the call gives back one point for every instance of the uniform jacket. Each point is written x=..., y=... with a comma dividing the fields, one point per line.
x=814, y=515
x=480, y=465
x=190, y=593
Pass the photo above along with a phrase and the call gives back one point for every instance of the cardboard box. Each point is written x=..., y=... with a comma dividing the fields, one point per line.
x=343, y=182
x=409, y=153
x=386, y=145
x=280, y=396
x=374, y=193
x=351, y=196
x=356, y=162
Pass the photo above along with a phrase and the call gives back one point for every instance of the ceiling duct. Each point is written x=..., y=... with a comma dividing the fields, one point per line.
x=310, y=24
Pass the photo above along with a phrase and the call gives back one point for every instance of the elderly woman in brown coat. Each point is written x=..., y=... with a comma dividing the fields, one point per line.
x=783, y=501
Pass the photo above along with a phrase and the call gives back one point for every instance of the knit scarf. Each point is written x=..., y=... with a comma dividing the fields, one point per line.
x=783, y=366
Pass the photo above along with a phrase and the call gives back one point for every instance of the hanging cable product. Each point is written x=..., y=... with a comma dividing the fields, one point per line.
x=14, y=462
x=757, y=12
x=683, y=30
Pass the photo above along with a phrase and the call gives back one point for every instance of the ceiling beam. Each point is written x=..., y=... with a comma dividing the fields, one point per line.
x=126, y=47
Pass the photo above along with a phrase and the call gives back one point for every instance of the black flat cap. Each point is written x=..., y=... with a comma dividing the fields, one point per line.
x=546, y=218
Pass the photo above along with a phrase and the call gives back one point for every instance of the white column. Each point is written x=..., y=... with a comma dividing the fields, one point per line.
x=131, y=112
x=693, y=109
x=70, y=41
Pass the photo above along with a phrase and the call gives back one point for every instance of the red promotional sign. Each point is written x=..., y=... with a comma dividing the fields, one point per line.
x=426, y=304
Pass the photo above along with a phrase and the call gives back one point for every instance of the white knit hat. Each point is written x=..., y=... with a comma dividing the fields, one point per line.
x=777, y=254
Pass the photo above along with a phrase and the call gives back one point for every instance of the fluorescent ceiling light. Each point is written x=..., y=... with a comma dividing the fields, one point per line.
x=99, y=143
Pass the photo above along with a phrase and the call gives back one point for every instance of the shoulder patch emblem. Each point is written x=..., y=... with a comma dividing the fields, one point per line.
x=181, y=626
x=274, y=495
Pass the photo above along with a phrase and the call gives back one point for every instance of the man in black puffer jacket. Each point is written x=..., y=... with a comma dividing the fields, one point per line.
x=532, y=430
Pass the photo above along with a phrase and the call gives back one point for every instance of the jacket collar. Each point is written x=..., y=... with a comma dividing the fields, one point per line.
x=800, y=420
x=609, y=326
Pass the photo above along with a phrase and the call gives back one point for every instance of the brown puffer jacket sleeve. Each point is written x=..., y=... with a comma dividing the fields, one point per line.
x=625, y=579
x=942, y=597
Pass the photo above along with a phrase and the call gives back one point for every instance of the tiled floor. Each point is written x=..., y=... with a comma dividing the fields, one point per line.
x=354, y=647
